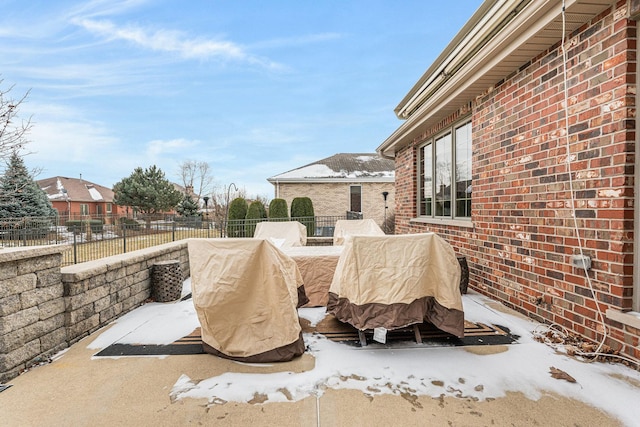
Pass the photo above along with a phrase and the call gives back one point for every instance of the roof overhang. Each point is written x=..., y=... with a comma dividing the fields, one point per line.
x=497, y=41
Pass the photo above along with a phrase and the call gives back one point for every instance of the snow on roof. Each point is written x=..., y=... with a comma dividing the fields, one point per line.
x=76, y=190
x=343, y=166
x=94, y=193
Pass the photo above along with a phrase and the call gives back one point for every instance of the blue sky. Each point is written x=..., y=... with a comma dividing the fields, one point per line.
x=254, y=88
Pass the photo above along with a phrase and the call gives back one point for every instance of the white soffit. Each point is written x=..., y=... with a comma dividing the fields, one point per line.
x=536, y=27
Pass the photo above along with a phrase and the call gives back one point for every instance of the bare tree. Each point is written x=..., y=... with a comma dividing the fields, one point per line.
x=196, y=177
x=13, y=131
x=220, y=198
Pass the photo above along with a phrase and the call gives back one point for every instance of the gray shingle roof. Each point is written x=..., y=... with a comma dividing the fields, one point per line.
x=77, y=190
x=346, y=166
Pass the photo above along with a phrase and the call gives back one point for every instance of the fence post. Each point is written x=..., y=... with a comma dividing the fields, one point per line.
x=124, y=237
x=173, y=231
x=75, y=248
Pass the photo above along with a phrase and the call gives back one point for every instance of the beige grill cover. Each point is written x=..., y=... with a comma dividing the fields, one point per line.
x=395, y=281
x=283, y=234
x=245, y=296
x=353, y=227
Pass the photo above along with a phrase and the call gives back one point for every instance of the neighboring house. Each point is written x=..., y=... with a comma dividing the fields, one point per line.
x=343, y=182
x=73, y=197
x=482, y=160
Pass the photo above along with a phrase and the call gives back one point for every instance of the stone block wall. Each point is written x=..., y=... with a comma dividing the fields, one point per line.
x=97, y=292
x=45, y=308
x=32, y=319
x=521, y=239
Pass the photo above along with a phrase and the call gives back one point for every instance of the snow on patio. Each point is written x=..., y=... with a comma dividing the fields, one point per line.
x=480, y=372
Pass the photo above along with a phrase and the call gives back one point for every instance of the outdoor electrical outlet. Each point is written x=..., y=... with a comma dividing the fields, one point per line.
x=581, y=261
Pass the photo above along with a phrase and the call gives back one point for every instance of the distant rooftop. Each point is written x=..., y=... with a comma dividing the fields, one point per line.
x=342, y=167
x=77, y=190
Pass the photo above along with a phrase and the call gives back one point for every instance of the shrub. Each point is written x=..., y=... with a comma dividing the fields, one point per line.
x=278, y=210
x=129, y=224
x=80, y=226
x=256, y=213
x=237, y=213
x=302, y=210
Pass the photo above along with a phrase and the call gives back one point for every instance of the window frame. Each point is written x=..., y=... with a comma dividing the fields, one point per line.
x=351, y=194
x=84, y=209
x=428, y=208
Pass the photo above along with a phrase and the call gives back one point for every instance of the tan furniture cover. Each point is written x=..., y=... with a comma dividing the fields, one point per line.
x=283, y=234
x=317, y=265
x=396, y=281
x=352, y=227
x=245, y=292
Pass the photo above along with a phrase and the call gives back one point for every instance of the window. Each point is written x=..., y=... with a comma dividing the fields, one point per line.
x=444, y=186
x=109, y=208
x=355, y=192
x=98, y=209
x=84, y=209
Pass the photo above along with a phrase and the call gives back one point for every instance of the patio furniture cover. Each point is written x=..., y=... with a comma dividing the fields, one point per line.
x=283, y=234
x=245, y=292
x=317, y=265
x=396, y=281
x=352, y=227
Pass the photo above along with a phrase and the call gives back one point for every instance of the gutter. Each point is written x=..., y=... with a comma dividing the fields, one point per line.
x=491, y=18
x=520, y=22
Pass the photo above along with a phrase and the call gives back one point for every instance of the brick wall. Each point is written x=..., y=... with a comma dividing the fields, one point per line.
x=332, y=199
x=523, y=238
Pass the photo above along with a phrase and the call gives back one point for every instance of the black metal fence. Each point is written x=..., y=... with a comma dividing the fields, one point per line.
x=317, y=226
x=98, y=237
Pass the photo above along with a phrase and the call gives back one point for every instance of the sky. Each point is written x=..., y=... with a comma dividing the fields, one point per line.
x=255, y=89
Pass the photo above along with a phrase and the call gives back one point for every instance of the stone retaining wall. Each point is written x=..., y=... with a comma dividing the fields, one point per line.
x=97, y=292
x=31, y=307
x=45, y=308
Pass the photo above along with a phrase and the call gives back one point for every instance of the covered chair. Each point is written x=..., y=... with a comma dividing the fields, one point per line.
x=283, y=234
x=395, y=281
x=245, y=292
x=352, y=227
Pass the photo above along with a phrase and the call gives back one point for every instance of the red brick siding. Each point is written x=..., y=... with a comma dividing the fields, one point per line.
x=519, y=250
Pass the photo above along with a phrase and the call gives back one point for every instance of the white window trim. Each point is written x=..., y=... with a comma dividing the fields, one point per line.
x=431, y=141
x=465, y=223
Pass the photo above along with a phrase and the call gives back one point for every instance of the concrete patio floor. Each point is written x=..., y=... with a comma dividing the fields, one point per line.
x=463, y=386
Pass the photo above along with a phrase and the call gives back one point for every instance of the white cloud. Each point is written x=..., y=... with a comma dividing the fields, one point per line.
x=173, y=41
x=297, y=41
x=158, y=147
x=60, y=133
x=96, y=8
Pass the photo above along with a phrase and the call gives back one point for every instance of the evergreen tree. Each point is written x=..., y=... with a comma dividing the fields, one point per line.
x=255, y=214
x=278, y=210
x=302, y=210
x=187, y=207
x=237, y=213
x=147, y=190
x=20, y=195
